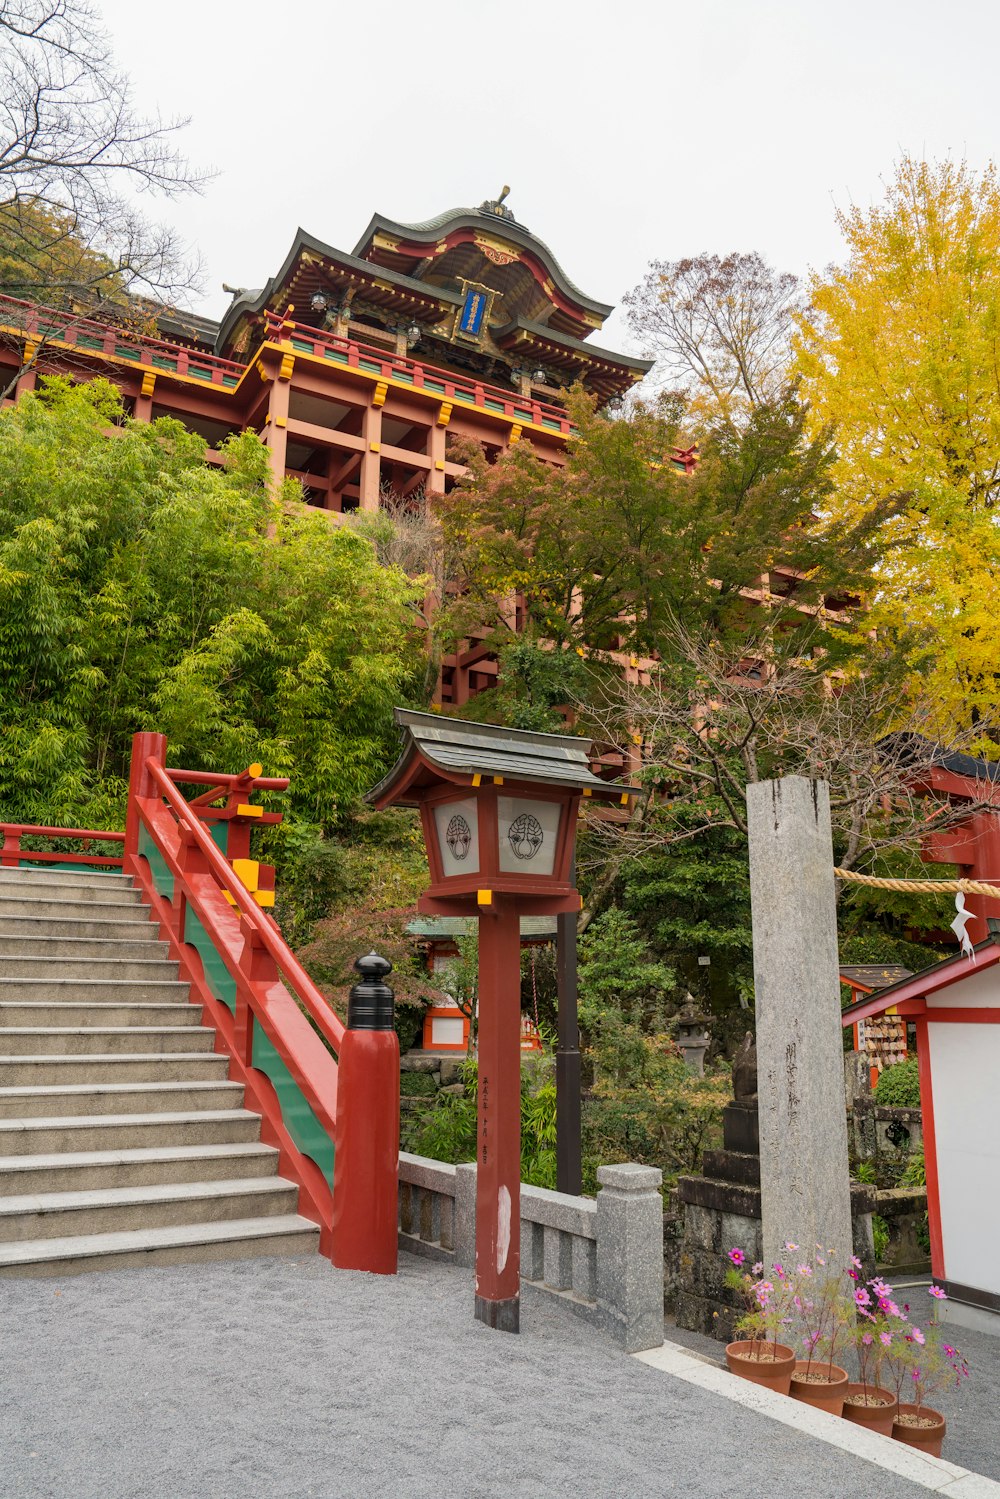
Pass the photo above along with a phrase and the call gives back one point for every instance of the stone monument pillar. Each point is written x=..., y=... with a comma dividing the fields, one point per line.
x=804, y=1173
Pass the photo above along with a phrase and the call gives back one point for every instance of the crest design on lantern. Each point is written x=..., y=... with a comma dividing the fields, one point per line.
x=525, y=836
x=458, y=836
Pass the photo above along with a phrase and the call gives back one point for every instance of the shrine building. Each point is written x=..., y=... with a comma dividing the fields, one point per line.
x=359, y=369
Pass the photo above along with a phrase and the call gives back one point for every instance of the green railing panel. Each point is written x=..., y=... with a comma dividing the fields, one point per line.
x=163, y=880
x=220, y=980
x=297, y=1116
x=26, y=863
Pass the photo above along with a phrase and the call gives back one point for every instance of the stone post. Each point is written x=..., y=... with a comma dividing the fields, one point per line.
x=805, y=1181
x=630, y=1254
x=465, y=1214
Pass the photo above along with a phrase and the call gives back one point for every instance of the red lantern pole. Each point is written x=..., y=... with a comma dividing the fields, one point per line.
x=498, y=1181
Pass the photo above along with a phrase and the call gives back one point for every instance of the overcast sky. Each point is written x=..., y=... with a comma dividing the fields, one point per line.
x=628, y=131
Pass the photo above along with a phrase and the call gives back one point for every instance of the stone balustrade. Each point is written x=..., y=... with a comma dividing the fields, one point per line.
x=602, y=1257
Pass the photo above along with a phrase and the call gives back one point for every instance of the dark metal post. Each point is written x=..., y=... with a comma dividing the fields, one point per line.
x=569, y=1169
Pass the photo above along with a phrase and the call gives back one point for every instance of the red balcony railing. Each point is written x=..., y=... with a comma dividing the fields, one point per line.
x=68, y=330
x=427, y=377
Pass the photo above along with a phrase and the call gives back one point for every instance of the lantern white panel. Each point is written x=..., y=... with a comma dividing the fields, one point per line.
x=457, y=825
x=528, y=833
x=446, y=1032
x=965, y=1066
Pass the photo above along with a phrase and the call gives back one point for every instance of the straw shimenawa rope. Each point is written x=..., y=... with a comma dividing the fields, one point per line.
x=929, y=887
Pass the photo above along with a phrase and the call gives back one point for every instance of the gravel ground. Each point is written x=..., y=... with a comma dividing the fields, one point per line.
x=284, y=1379
x=972, y=1412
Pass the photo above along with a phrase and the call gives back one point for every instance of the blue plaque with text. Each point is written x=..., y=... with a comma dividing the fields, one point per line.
x=472, y=312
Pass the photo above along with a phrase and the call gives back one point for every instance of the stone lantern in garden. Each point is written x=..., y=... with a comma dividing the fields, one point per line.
x=693, y=1035
x=499, y=810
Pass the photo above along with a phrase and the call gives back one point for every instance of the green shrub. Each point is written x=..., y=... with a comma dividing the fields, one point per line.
x=880, y=1234
x=915, y=1171
x=899, y=1086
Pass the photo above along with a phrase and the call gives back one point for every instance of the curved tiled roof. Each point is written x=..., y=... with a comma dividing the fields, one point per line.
x=506, y=228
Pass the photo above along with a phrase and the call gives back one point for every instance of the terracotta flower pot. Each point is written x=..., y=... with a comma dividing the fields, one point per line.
x=773, y=1368
x=825, y=1386
x=928, y=1435
x=877, y=1414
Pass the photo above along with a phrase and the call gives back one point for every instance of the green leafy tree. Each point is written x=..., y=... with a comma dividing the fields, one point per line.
x=141, y=588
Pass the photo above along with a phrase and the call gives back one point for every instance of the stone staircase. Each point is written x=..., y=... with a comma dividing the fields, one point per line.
x=122, y=1140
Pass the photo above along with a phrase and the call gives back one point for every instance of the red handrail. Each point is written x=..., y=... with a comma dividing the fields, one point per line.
x=11, y=852
x=268, y=937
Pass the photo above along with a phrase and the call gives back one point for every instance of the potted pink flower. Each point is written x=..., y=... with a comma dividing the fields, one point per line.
x=877, y=1324
x=821, y=1310
x=757, y=1355
x=924, y=1362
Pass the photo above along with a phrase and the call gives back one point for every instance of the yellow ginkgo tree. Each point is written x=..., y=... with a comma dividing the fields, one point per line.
x=899, y=352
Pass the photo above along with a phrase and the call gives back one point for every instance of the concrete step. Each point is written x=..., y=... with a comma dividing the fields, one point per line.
x=102, y=906
x=60, y=1215
x=77, y=1015
x=110, y=966
x=41, y=876
x=83, y=950
x=92, y=1170
x=135, y=926
x=53, y=1134
x=58, y=1072
x=242, y=1238
x=63, y=888
x=81, y=871
x=101, y=990
x=76, y=1099
x=105, y=1041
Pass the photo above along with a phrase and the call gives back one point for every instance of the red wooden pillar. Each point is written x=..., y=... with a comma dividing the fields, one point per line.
x=144, y=747
x=366, y=1163
x=371, y=463
x=498, y=1181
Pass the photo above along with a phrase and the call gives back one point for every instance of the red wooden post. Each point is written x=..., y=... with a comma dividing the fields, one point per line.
x=144, y=747
x=366, y=1163
x=10, y=854
x=498, y=1181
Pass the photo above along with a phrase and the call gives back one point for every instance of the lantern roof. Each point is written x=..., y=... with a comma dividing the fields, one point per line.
x=436, y=748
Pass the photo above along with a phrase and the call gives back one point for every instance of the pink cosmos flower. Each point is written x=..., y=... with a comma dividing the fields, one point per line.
x=856, y=1262
x=937, y=1292
x=791, y=1247
x=918, y=1337
x=779, y=1272
x=916, y=1376
x=867, y=1339
x=861, y=1297
x=804, y=1269
x=885, y=1338
x=758, y=1267
x=737, y=1256
x=853, y=1274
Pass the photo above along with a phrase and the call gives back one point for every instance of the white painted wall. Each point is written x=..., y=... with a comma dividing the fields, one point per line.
x=965, y=1071
x=979, y=988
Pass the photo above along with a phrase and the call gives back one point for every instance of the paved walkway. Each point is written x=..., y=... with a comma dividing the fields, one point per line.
x=283, y=1379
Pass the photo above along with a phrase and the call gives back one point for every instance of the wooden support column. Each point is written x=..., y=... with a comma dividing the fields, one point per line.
x=437, y=440
x=144, y=400
x=498, y=1180
x=276, y=422
x=371, y=461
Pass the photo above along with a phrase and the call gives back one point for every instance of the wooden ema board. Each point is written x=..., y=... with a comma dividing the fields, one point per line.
x=882, y=1039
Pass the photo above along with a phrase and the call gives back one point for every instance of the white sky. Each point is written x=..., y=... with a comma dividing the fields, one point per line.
x=627, y=131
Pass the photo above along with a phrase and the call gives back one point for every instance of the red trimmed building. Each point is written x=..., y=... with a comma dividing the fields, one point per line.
x=361, y=369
